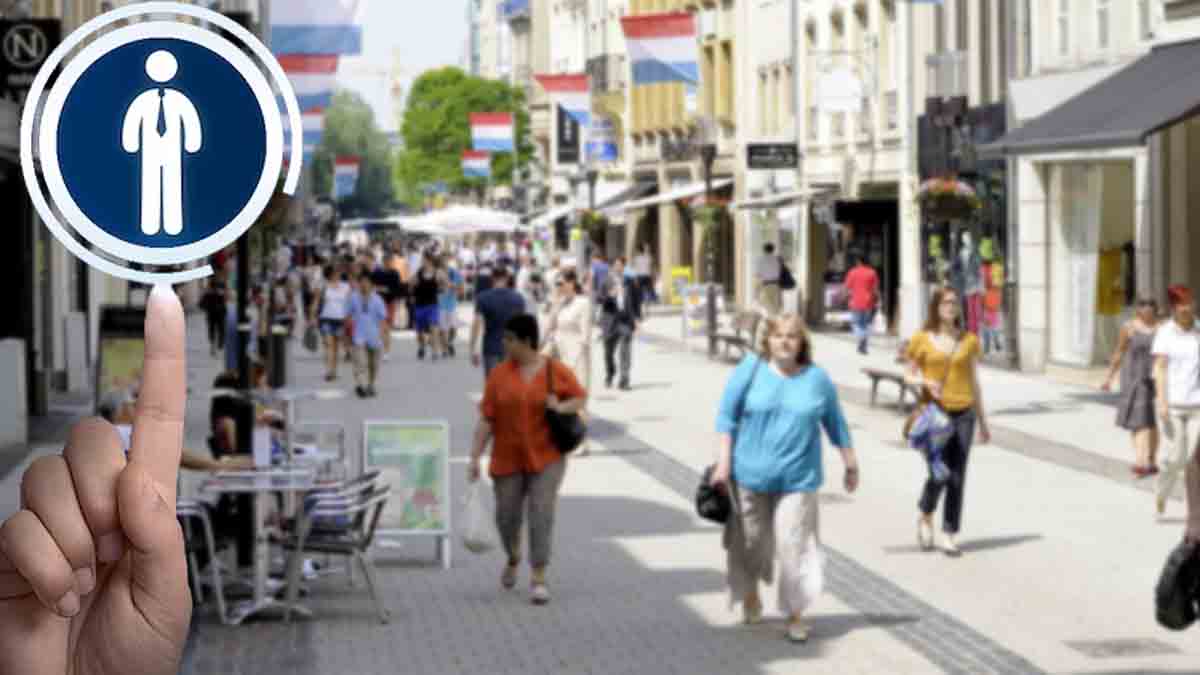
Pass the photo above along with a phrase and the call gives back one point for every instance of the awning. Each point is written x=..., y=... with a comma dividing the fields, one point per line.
x=547, y=219
x=1154, y=92
x=781, y=199
x=685, y=192
x=632, y=191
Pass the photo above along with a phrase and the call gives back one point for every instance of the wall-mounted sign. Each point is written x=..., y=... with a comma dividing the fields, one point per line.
x=24, y=46
x=772, y=156
x=568, y=137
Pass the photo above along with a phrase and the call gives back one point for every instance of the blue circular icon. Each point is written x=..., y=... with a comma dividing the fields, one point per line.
x=141, y=146
x=159, y=142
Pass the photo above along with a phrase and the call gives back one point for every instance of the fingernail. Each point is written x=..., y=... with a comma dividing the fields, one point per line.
x=69, y=605
x=111, y=547
x=85, y=580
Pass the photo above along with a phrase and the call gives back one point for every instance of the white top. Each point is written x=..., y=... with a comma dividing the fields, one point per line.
x=1182, y=349
x=643, y=264
x=768, y=268
x=283, y=261
x=466, y=256
x=337, y=301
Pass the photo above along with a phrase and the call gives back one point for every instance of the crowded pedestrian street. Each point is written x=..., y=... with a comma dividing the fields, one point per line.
x=1054, y=576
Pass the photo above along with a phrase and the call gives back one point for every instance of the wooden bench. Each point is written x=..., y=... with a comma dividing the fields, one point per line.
x=889, y=376
x=744, y=325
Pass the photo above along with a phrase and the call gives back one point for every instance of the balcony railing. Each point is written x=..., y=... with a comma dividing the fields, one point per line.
x=891, y=107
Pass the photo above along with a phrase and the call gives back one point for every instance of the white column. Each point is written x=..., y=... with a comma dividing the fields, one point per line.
x=997, y=33
x=1143, y=224
x=910, y=219
x=1037, y=214
x=876, y=59
x=973, y=49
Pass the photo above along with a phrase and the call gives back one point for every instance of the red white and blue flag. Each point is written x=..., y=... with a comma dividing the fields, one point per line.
x=572, y=93
x=313, y=76
x=314, y=126
x=315, y=27
x=492, y=132
x=345, y=176
x=476, y=164
x=662, y=48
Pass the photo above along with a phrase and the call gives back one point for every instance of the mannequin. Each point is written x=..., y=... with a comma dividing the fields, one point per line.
x=972, y=281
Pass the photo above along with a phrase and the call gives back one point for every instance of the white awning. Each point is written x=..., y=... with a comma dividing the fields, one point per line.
x=547, y=219
x=778, y=200
x=685, y=192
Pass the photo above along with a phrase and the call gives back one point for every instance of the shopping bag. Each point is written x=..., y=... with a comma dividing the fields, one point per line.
x=477, y=535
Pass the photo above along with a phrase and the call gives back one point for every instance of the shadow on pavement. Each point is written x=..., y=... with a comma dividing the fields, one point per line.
x=970, y=545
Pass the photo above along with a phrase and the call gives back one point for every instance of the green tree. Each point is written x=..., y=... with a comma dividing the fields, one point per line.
x=350, y=130
x=436, y=130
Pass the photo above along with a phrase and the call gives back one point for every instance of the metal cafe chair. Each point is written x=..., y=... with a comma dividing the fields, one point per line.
x=353, y=540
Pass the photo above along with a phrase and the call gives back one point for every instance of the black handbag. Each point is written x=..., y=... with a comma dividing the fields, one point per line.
x=567, y=430
x=786, y=281
x=1177, y=595
x=713, y=503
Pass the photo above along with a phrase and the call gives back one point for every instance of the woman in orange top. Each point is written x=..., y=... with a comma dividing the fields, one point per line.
x=525, y=467
x=944, y=361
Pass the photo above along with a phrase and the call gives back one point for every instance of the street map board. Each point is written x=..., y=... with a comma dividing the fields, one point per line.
x=414, y=458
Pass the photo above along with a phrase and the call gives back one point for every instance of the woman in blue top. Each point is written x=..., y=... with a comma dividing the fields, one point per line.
x=769, y=423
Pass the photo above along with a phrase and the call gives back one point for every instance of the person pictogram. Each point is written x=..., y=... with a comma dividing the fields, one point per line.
x=160, y=124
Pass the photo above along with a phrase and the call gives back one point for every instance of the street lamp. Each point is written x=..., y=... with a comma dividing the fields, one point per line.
x=706, y=142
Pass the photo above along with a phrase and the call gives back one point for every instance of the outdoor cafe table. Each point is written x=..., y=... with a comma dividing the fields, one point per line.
x=261, y=483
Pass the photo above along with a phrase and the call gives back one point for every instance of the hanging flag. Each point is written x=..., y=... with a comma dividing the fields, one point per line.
x=345, y=176
x=476, y=164
x=662, y=48
x=572, y=93
x=314, y=126
x=492, y=132
x=315, y=27
x=313, y=77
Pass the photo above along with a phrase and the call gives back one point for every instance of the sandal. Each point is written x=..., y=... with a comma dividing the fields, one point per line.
x=539, y=594
x=797, y=630
x=752, y=612
x=508, y=580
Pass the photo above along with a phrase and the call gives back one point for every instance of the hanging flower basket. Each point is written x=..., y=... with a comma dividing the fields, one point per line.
x=709, y=215
x=596, y=226
x=948, y=198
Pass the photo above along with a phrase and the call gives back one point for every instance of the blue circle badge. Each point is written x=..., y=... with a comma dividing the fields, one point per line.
x=160, y=143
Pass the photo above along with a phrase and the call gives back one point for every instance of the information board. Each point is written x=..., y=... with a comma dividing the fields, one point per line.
x=414, y=458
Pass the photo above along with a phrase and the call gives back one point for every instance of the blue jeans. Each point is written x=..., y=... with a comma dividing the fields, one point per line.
x=860, y=323
x=955, y=455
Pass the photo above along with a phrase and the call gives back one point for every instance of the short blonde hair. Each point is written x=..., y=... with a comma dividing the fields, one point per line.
x=774, y=324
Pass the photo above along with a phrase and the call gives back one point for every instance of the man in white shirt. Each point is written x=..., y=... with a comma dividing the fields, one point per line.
x=1176, y=351
x=769, y=292
x=283, y=259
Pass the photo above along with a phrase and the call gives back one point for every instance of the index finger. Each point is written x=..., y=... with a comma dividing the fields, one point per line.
x=158, y=422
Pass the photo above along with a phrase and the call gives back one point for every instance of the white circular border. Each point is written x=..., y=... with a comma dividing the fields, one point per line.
x=32, y=101
x=74, y=215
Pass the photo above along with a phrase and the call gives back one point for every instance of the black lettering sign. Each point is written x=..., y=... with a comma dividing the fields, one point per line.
x=772, y=156
x=24, y=46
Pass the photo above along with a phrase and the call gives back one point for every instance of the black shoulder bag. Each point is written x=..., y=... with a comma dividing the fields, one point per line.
x=566, y=429
x=712, y=503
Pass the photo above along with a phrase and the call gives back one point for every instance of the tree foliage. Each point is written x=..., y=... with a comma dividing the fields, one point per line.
x=436, y=130
x=350, y=129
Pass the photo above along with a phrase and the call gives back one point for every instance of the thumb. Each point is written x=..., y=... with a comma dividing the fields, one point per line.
x=158, y=566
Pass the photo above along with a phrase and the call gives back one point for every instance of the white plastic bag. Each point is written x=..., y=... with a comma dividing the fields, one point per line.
x=477, y=535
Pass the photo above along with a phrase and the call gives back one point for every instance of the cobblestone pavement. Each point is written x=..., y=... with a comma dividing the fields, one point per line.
x=1057, y=575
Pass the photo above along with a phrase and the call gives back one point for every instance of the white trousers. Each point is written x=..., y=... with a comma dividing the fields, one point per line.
x=764, y=527
x=1182, y=428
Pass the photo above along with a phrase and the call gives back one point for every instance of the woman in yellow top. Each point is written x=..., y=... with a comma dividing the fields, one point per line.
x=944, y=360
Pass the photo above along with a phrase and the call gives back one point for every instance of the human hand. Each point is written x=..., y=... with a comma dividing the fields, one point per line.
x=935, y=389
x=552, y=402
x=237, y=462
x=721, y=475
x=475, y=360
x=985, y=433
x=851, y=478
x=1163, y=410
x=1106, y=385
x=93, y=577
x=473, y=471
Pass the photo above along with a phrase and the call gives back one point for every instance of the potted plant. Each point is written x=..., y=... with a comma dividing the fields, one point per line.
x=596, y=226
x=948, y=198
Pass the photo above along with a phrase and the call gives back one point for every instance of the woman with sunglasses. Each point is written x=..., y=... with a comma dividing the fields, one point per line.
x=1135, y=410
x=569, y=332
